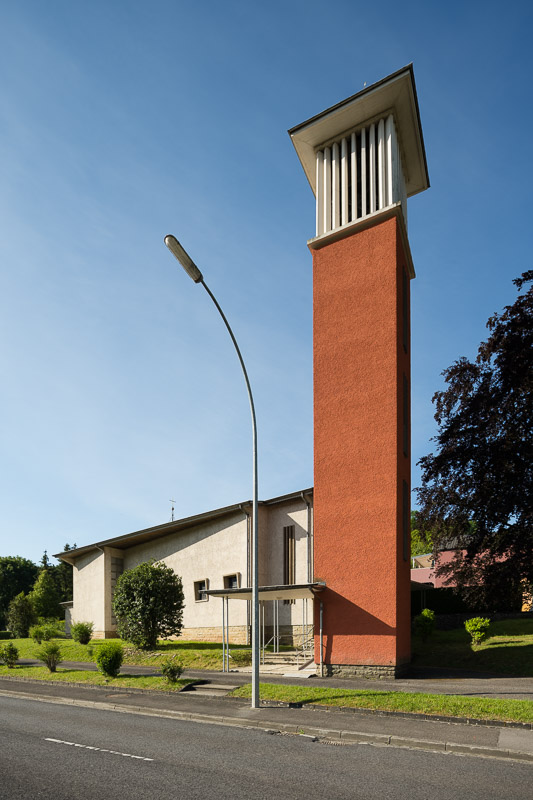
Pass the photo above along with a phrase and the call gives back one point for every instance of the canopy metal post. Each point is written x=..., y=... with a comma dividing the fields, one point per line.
x=227, y=633
x=223, y=635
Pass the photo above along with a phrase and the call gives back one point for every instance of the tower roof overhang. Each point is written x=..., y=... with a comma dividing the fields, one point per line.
x=394, y=95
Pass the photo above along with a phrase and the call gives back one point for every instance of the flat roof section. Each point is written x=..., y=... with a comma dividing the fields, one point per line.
x=299, y=591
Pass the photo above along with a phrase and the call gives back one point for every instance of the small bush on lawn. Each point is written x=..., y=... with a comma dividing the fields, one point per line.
x=36, y=633
x=478, y=628
x=82, y=632
x=9, y=655
x=109, y=658
x=242, y=658
x=171, y=667
x=42, y=633
x=424, y=623
x=50, y=653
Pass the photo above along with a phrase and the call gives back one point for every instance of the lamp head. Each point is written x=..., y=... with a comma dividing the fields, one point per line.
x=183, y=257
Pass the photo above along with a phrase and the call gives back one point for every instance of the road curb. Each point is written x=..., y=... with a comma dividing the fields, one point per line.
x=317, y=734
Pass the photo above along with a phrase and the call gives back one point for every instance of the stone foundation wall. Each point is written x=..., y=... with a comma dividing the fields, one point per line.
x=238, y=634
x=371, y=671
x=105, y=635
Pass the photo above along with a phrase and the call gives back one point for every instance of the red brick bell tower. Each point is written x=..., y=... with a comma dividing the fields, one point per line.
x=363, y=158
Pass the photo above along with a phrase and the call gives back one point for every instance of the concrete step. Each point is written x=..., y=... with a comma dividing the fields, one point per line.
x=212, y=689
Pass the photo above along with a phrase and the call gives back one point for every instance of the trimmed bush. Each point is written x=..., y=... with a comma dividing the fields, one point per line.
x=42, y=633
x=148, y=604
x=171, y=667
x=82, y=632
x=50, y=653
x=9, y=655
x=36, y=633
x=424, y=623
x=478, y=628
x=109, y=658
x=242, y=658
x=6, y=635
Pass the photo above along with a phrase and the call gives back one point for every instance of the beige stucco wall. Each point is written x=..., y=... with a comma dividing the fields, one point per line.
x=209, y=551
x=274, y=518
x=89, y=590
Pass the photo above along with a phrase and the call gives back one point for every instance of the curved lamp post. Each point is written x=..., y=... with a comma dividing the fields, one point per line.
x=193, y=272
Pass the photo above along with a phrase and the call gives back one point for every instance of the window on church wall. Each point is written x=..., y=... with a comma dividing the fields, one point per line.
x=232, y=581
x=405, y=416
x=289, y=555
x=200, y=590
x=406, y=514
x=405, y=310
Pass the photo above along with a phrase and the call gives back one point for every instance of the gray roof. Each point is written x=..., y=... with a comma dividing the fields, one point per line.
x=147, y=534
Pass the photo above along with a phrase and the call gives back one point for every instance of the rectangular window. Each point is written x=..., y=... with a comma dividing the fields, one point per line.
x=406, y=513
x=405, y=310
x=289, y=556
x=232, y=581
x=200, y=590
x=405, y=416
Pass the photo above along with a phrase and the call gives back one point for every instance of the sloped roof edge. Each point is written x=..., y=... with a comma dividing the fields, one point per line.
x=139, y=537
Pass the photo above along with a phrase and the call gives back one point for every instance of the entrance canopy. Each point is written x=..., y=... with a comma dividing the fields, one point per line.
x=300, y=591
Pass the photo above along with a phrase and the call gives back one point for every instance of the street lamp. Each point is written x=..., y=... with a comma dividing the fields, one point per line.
x=193, y=272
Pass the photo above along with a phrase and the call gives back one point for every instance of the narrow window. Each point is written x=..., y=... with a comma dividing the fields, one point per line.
x=289, y=556
x=405, y=310
x=200, y=590
x=406, y=513
x=405, y=416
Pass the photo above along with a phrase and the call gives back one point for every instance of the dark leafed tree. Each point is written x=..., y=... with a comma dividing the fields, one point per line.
x=17, y=575
x=62, y=575
x=477, y=487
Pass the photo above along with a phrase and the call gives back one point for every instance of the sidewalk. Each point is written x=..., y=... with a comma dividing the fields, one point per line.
x=502, y=741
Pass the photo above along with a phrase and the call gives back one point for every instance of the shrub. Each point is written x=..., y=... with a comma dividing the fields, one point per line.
x=43, y=633
x=36, y=633
x=242, y=658
x=6, y=635
x=171, y=667
x=50, y=653
x=478, y=628
x=82, y=632
x=109, y=658
x=424, y=623
x=9, y=655
x=148, y=604
x=20, y=615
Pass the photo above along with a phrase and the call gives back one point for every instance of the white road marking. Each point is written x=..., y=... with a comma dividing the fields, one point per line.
x=100, y=749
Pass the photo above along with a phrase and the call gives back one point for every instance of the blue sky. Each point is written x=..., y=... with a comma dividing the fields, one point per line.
x=121, y=122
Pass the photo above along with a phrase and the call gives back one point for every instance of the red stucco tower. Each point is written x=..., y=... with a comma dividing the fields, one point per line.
x=363, y=158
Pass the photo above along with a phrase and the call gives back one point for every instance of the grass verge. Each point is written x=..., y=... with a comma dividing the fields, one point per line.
x=507, y=651
x=417, y=703
x=152, y=682
x=193, y=655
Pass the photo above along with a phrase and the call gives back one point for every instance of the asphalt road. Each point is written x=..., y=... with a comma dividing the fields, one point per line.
x=62, y=753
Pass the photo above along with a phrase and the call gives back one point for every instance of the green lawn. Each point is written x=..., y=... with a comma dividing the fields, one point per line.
x=193, y=655
x=508, y=651
x=418, y=703
x=156, y=683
